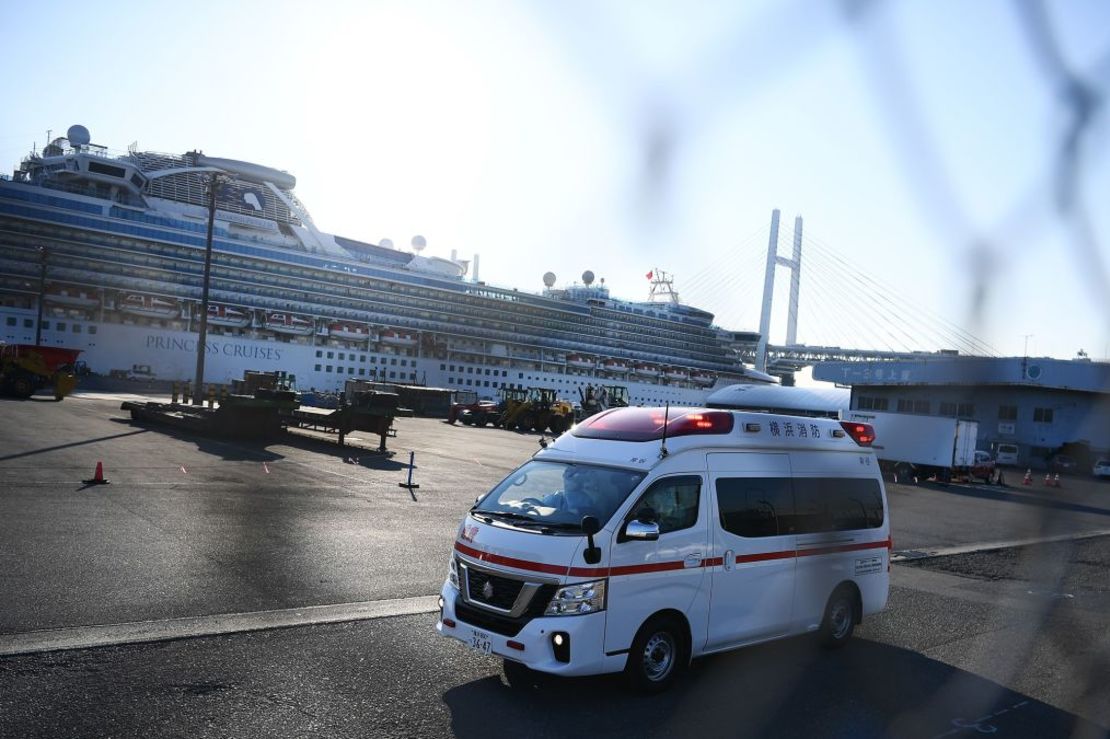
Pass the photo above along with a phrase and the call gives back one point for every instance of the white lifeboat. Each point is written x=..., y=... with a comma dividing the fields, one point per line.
x=289, y=323
x=705, y=379
x=580, y=361
x=396, y=338
x=349, y=330
x=73, y=297
x=228, y=315
x=646, y=370
x=676, y=373
x=614, y=365
x=150, y=305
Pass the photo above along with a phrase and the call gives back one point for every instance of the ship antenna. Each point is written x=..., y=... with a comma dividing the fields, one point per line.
x=663, y=443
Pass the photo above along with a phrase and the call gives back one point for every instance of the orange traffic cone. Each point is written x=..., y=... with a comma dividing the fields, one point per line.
x=1048, y=480
x=1056, y=482
x=1028, y=479
x=98, y=476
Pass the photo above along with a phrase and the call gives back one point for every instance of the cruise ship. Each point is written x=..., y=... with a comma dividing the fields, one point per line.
x=112, y=245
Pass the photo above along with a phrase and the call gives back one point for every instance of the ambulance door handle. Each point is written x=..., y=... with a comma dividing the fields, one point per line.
x=729, y=559
x=692, y=560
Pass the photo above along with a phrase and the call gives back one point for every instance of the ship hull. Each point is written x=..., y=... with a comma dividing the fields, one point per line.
x=172, y=355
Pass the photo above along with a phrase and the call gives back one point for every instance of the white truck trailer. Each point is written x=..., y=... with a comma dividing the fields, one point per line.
x=921, y=446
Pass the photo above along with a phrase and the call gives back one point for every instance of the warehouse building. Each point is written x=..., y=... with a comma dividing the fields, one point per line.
x=1044, y=406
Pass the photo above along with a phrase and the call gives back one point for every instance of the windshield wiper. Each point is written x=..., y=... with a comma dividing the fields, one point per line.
x=505, y=514
x=530, y=521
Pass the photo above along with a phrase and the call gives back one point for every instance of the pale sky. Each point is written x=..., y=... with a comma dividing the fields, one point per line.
x=626, y=136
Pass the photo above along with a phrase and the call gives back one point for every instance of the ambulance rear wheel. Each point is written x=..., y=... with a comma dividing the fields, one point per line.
x=659, y=655
x=840, y=618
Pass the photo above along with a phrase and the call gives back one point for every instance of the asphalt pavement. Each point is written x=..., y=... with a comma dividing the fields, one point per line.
x=999, y=639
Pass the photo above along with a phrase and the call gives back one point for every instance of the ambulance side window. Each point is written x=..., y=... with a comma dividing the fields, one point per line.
x=756, y=506
x=837, y=504
x=675, y=502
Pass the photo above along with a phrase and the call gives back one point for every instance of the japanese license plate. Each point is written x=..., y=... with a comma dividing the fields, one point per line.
x=479, y=641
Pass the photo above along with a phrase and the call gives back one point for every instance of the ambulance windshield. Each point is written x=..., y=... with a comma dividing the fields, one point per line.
x=556, y=495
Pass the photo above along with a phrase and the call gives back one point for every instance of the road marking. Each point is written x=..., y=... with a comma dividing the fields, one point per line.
x=979, y=725
x=912, y=555
x=138, y=632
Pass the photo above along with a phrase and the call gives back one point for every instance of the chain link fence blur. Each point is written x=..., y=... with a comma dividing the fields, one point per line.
x=1063, y=200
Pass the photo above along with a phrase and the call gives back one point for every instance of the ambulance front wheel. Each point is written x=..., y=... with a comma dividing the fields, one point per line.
x=840, y=618
x=659, y=655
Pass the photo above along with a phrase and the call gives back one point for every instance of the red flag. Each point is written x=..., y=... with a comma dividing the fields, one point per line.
x=649, y=274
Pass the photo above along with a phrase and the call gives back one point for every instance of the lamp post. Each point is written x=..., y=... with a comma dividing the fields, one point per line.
x=43, y=254
x=198, y=395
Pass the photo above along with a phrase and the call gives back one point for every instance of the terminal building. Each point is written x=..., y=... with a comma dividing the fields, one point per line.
x=1044, y=406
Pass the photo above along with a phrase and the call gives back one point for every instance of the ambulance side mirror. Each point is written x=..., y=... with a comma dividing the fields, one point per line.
x=590, y=526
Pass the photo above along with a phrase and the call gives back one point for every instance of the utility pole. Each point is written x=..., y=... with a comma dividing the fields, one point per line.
x=1025, y=355
x=198, y=394
x=43, y=254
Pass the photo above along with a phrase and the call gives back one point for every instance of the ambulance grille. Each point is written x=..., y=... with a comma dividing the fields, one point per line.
x=489, y=621
x=505, y=590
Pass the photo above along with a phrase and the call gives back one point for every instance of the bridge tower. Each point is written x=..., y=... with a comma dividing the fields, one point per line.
x=794, y=264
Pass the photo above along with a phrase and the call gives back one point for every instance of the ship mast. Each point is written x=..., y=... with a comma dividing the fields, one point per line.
x=662, y=287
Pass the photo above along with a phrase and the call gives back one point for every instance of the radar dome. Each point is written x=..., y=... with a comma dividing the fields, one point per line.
x=549, y=279
x=418, y=243
x=78, y=135
x=588, y=277
x=386, y=243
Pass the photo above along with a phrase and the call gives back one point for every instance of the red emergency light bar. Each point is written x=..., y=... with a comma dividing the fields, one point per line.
x=862, y=433
x=646, y=424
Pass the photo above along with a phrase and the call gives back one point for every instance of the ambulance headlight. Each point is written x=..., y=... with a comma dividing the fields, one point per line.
x=453, y=574
x=573, y=600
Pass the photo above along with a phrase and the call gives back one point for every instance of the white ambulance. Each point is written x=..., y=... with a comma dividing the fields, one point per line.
x=645, y=537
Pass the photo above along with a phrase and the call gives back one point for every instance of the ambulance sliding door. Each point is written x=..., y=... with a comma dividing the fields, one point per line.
x=752, y=503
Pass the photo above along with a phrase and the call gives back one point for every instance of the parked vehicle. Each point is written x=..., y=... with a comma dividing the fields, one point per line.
x=1006, y=454
x=647, y=537
x=138, y=372
x=478, y=413
x=983, y=466
x=539, y=410
x=466, y=407
x=922, y=447
x=1101, y=469
x=595, y=399
x=1062, y=463
x=26, y=368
